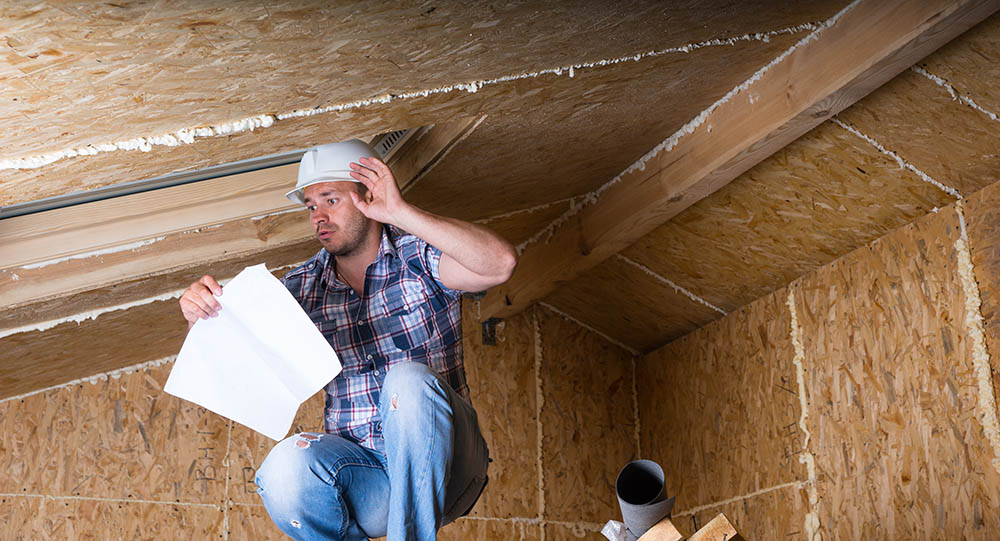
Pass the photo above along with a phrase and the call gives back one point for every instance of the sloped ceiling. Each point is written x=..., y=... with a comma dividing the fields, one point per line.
x=88, y=77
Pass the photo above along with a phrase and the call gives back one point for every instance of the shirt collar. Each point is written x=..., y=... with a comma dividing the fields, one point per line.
x=386, y=250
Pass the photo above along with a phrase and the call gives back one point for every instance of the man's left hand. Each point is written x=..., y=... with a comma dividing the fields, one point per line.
x=383, y=202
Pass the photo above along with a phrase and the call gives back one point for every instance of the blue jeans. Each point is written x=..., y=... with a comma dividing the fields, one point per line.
x=322, y=486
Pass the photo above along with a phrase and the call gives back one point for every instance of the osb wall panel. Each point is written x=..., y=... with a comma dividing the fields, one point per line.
x=899, y=449
x=23, y=518
x=982, y=216
x=502, y=388
x=719, y=408
x=588, y=420
x=562, y=532
x=971, y=63
x=39, y=359
x=625, y=302
x=568, y=138
x=918, y=120
x=466, y=529
x=230, y=62
x=774, y=515
x=120, y=438
x=814, y=200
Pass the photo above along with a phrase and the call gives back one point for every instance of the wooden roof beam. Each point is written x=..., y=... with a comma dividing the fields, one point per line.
x=857, y=51
x=67, y=261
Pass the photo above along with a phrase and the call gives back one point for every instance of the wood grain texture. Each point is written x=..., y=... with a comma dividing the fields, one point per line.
x=971, y=63
x=463, y=529
x=502, y=388
x=23, y=518
x=588, y=420
x=868, y=45
x=89, y=74
x=820, y=197
x=774, y=515
x=121, y=438
x=982, y=216
x=252, y=522
x=719, y=408
x=628, y=304
x=917, y=119
x=900, y=451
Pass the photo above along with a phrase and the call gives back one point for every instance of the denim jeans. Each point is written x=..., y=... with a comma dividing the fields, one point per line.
x=322, y=486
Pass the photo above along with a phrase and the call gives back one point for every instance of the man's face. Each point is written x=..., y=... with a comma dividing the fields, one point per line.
x=339, y=225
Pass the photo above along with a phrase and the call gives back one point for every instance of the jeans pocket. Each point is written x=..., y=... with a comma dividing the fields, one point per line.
x=464, y=504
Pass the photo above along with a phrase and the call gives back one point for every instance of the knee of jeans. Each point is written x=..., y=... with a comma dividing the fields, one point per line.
x=281, y=478
x=405, y=385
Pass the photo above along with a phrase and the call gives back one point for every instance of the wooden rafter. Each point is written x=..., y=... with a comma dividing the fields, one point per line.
x=53, y=255
x=865, y=46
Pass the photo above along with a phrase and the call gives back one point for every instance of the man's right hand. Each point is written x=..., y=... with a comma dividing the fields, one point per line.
x=199, y=302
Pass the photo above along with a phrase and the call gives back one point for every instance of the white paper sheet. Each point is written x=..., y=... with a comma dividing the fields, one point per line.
x=258, y=360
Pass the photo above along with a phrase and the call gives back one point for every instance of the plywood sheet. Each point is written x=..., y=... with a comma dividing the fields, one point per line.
x=816, y=199
x=917, y=119
x=778, y=514
x=900, y=452
x=489, y=530
x=39, y=518
x=579, y=117
x=982, y=216
x=502, y=387
x=588, y=420
x=248, y=449
x=38, y=359
x=627, y=303
x=971, y=63
x=719, y=407
x=569, y=137
x=120, y=438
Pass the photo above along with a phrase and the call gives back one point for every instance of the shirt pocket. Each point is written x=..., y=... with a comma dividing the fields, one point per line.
x=406, y=315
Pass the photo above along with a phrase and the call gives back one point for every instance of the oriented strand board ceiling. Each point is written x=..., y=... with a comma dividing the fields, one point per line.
x=548, y=138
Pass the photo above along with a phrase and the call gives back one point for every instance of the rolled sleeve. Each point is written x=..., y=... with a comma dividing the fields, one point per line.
x=431, y=257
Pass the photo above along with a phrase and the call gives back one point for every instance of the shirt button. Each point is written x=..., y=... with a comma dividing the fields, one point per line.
x=369, y=356
x=376, y=372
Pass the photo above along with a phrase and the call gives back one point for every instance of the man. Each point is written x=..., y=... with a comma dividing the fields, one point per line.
x=402, y=453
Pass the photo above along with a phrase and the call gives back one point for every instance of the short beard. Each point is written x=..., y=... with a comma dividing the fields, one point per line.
x=355, y=233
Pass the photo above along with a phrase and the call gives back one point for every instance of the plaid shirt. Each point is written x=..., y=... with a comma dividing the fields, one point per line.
x=406, y=314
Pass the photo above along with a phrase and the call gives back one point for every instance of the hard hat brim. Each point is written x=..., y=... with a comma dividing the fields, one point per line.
x=296, y=195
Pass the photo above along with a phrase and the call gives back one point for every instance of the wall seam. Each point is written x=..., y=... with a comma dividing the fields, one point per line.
x=512, y=213
x=635, y=405
x=955, y=94
x=903, y=164
x=108, y=500
x=737, y=499
x=225, y=495
x=539, y=402
x=806, y=457
x=663, y=279
x=986, y=399
x=572, y=319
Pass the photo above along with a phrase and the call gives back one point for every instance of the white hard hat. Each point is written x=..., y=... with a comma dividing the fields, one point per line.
x=329, y=163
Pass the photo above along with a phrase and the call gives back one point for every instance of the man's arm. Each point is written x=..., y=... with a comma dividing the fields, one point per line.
x=473, y=258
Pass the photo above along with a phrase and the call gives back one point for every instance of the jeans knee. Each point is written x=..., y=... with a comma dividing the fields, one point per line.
x=282, y=479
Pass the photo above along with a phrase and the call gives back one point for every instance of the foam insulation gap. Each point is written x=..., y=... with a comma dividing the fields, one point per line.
x=955, y=94
x=539, y=402
x=635, y=404
x=576, y=526
x=669, y=143
x=987, y=402
x=496, y=217
x=607, y=338
x=805, y=457
x=670, y=283
x=49, y=497
x=903, y=164
x=186, y=136
x=97, y=378
x=114, y=249
x=737, y=499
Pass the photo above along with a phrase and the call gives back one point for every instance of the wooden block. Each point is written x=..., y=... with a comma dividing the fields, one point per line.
x=662, y=531
x=588, y=420
x=719, y=529
x=502, y=388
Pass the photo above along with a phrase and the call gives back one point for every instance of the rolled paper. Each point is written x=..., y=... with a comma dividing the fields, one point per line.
x=642, y=497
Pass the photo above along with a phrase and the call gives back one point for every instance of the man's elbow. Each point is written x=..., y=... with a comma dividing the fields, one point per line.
x=506, y=263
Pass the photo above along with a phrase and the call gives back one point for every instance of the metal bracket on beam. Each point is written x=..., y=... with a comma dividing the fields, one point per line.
x=490, y=331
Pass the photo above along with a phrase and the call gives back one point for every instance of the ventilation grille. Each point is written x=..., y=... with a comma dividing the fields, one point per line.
x=387, y=143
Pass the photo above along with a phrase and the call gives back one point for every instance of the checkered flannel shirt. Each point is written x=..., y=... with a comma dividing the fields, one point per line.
x=406, y=314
